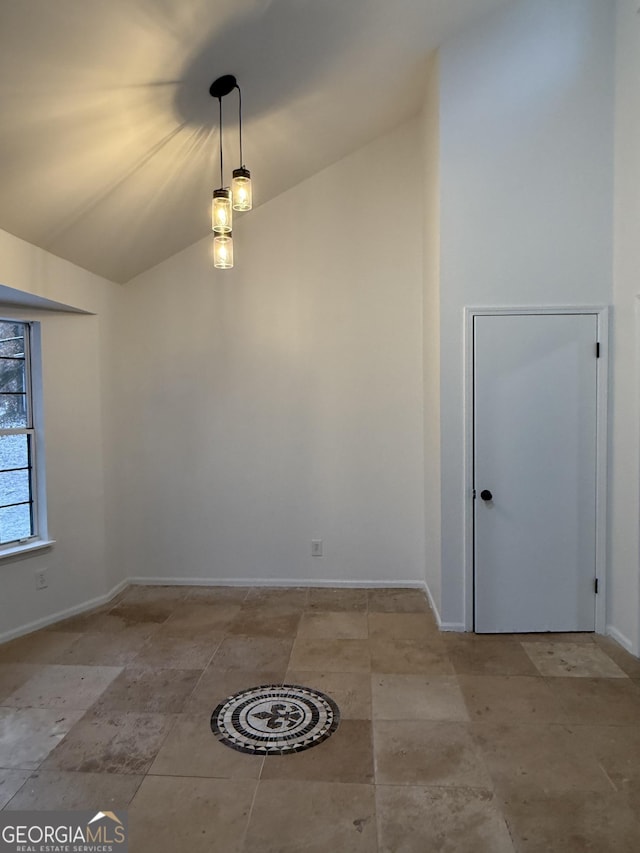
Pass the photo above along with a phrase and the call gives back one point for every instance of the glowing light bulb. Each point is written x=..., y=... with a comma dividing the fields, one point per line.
x=221, y=211
x=223, y=251
x=241, y=186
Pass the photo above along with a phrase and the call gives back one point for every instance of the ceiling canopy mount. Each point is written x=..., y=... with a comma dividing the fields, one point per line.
x=223, y=86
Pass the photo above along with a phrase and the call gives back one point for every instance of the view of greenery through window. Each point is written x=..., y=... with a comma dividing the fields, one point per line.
x=16, y=434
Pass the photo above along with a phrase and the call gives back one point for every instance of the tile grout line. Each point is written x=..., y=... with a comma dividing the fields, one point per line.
x=250, y=813
x=30, y=772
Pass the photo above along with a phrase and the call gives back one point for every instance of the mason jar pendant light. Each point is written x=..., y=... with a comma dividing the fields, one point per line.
x=225, y=199
x=241, y=183
x=221, y=208
x=222, y=215
x=223, y=251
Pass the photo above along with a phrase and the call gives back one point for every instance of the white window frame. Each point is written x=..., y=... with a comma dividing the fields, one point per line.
x=33, y=384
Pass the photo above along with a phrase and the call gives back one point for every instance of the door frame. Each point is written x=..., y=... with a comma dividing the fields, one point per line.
x=601, y=312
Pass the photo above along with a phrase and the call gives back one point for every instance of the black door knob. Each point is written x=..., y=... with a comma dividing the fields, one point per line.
x=486, y=495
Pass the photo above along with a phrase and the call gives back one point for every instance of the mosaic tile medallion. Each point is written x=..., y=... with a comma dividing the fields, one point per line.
x=275, y=719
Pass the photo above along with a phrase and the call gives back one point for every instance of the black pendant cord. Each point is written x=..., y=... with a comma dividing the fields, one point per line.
x=240, y=122
x=220, y=120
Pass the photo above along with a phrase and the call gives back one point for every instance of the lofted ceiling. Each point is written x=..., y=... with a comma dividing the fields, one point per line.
x=108, y=134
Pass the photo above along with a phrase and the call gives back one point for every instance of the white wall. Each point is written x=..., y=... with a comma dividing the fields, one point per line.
x=526, y=191
x=75, y=380
x=430, y=140
x=221, y=420
x=281, y=401
x=624, y=602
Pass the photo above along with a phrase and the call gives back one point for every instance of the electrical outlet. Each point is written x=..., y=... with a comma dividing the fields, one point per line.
x=316, y=547
x=41, y=579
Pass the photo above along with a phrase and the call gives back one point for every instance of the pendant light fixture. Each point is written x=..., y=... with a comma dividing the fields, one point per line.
x=225, y=199
x=241, y=183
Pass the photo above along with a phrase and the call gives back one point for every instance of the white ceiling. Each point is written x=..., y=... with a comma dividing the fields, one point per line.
x=108, y=134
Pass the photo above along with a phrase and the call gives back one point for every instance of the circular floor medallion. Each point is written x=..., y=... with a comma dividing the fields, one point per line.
x=275, y=719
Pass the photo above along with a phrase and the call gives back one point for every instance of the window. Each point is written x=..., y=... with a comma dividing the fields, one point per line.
x=21, y=513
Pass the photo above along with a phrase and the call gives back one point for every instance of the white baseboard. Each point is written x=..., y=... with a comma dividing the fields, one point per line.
x=432, y=605
x=63, y=614
x=44, y=622
x=212, y=582
x=443, y=626
x=620, y=638
x=279, y=582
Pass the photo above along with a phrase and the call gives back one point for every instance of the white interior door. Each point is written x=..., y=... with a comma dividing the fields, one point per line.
x=535, y=418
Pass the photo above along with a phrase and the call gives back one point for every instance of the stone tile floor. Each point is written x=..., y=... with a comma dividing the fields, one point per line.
x=453, y=743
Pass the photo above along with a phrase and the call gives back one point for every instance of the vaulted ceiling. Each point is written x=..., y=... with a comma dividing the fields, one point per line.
x=108, y=134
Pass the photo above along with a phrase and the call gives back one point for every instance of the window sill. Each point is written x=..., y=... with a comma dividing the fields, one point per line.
x=26, y=548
